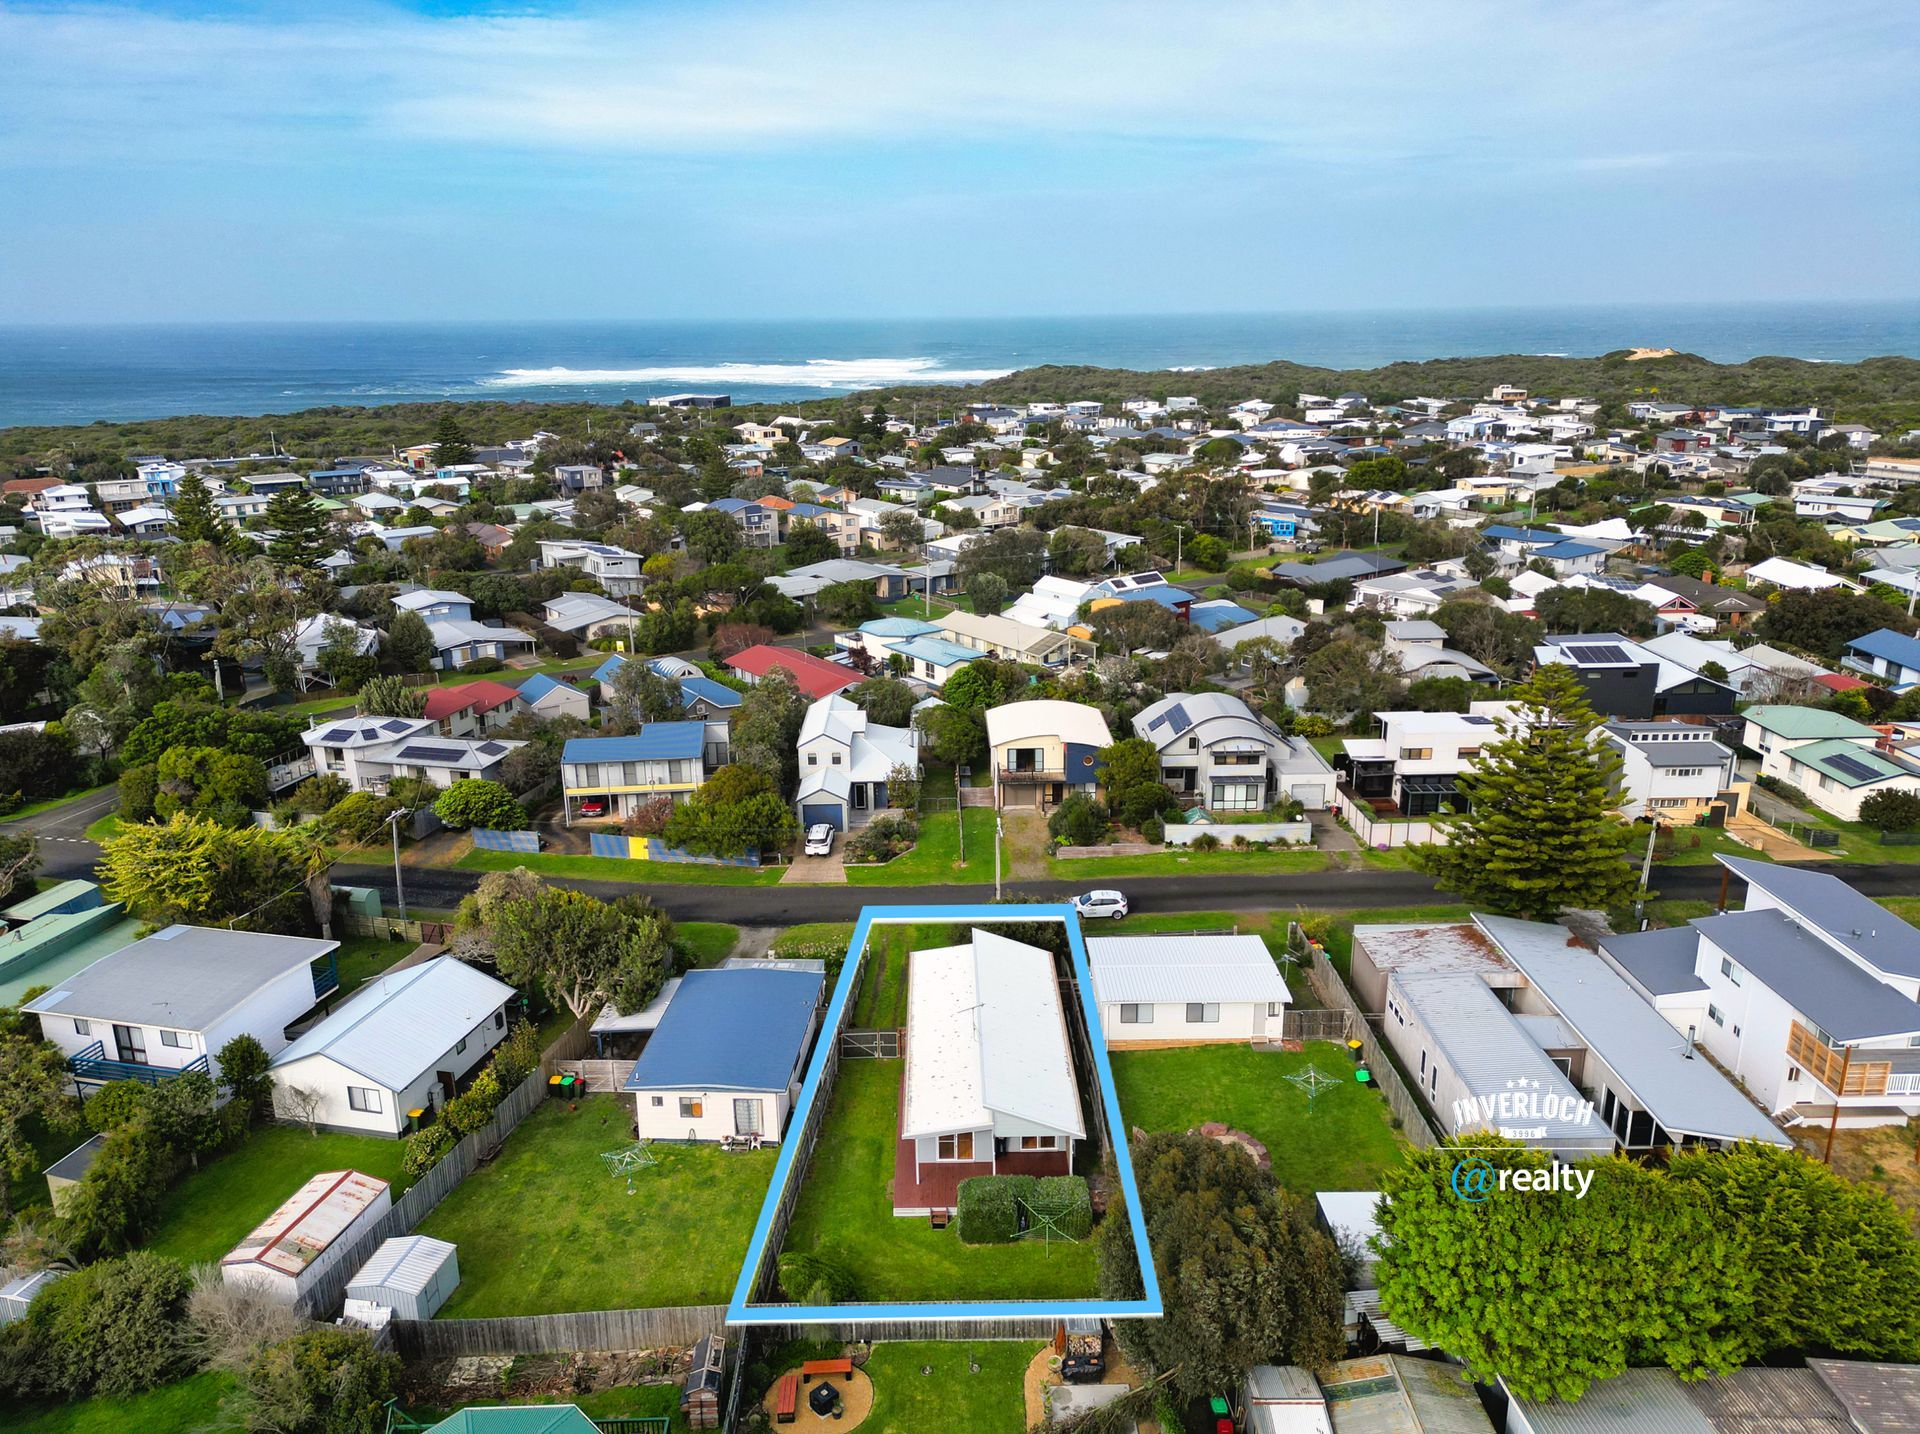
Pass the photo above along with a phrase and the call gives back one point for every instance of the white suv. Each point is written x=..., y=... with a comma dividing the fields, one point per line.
x=1101, y=903
x=819, y=839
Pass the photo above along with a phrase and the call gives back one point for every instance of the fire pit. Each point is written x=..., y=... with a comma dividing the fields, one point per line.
x=821, y=1399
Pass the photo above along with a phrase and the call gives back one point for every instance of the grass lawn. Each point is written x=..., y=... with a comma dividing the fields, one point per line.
x=1342, y=1143
x=657, y=1401
x=103, y=828
x=192, y=1406
x=34, y=809
x=362, y=958
x=544, y=1229
x=905, y=1401
x=613, y=868
x=936, y=856
x=819, y=940
x=211, y=1211
x=1186, y=863
x=846, y=1204
x=705, y=943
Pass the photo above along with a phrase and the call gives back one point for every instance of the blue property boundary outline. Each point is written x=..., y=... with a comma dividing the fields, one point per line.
x=741, y=1312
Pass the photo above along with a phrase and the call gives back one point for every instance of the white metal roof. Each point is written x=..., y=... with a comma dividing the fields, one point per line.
x=647, y=1018
x=398, y=1026
x=1184, y=968
x=986, y=1037
x=1068, y=721
x=182, y=977
x=406, y=1262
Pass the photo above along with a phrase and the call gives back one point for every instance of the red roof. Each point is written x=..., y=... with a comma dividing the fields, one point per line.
x=815, y=677
x=476, y=696
x=1840, y=682
x=30, y=485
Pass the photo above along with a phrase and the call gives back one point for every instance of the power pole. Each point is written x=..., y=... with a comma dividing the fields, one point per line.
x=399, y=890
x=1646, y=872
x=999, y=832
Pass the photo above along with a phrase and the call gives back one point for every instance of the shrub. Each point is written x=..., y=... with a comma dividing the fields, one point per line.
x=361, y=818
x=484, y=664
x=114, y=1328
x=1206, y=841
x=1078, y=821
x=474, y=1106
x=121, y=1192
x=321, y=793
x=1891, y=811
x=1067, y=1202
x=486, y=805
x=1153, y=830
x=244, y=1063
x=115, y=1104
x=425, y=1147
x=138, y=788
x=882, y=839
x=518, y=1056
x=320, y=1381
x=649, y=818
x=987, y=1209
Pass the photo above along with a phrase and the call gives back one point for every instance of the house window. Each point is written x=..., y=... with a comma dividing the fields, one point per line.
x=1729, y=970
x=461, y=1048
x=1274, y=1008
x=362, y=1099
x=1036, y=1142
x=1136, y=1015
x=1713, y=1014
x=956, y=1147
x=1202, y=1013
x=500, y=1019
x=836, y=759
x=813, y=759
x=1466, y=752
x=176, y=1039
x=692, y=1107
x=658, y=1101
x=82, y=1028
x=746, y=1117
x=1416, y=754
x=1793, y=1074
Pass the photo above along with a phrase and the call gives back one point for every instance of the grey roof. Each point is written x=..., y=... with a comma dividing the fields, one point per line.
x=1810, y=976
x=1637, y=1401
x=1687, y=1097
x=1492, y=1054
x=1283, y=1381
x=1212, y=717
x=1661, y=961
x=1691, y=749
x=1864, y=927
x=1184, y=968
x=185, y=977
x=1418, y=629
x=1769, y=1401
x=397, y=1027
x=406, y=1262
x=1880, y=1398
x=77, y=1161
x=1391, y=1394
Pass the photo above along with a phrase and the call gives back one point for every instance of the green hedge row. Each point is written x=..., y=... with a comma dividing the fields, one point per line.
x=988, y=1211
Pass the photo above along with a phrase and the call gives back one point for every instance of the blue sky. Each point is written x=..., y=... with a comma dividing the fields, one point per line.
x=712, y=160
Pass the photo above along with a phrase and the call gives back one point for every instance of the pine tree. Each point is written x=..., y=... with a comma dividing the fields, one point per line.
x=1544, y=833
x=450, y=446
x=391, y=697
x=195, y=519
x=302, y=536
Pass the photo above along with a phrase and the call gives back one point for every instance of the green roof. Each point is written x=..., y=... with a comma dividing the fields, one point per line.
x=1850, y=764
x=52, y=899
x=1807, y=723
x=518, y=1419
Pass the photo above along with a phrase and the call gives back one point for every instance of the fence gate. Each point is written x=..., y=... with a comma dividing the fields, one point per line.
x=869, y=1045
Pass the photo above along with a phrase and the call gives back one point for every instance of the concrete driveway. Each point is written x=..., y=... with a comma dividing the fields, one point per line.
x=829, y=870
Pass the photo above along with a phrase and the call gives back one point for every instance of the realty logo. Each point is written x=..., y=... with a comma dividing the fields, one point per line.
x=1522, y=1100
x=1474, y=1180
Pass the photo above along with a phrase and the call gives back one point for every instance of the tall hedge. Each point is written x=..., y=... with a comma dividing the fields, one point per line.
x=987, y=1211
x=1067, y=1201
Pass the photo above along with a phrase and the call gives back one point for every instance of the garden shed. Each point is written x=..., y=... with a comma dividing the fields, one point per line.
x=16, y=1295
x=288, y=1251
x=412, y=1275
x=69, y=1169
x=706, y=1382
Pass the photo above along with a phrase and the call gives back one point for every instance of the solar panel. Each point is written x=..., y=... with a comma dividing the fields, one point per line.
x=431, y=754
x=338, y=734
x=491, y=748
x=1602, y=654
x=1480, y=721
x=1852, y=766
x=396, y=725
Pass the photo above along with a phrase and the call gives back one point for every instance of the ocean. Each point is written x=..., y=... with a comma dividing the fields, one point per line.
x=66, y=375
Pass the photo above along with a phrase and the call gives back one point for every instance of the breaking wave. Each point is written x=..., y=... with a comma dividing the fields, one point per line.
x=813, y=373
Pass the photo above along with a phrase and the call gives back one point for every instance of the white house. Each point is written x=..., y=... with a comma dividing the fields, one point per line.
x=1416, y=761
x=1213, y=747
x=1807, y=995
x=1198, y=989
x=313, y=633
x=614, y=568
x=167, y=1004
x=1832, y=759
x=846, y=762
x=1673, y=772
x=726, y=1059
x=371, y=751
x=1795, y=577
x=402, y=1043
x=457, y=638
x=990, y=1085
x=589, y=615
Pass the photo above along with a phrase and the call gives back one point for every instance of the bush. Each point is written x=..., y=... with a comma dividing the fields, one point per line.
x=1153, y=830
x=1891, y=811
x=483, y=664
x=244, y=1063
x=882, y=839
x=361, y=818
x=138, y=788
x=321, y=793
x=1206, y=841
x=474, y=1106
x=116, y=1104
x=987, y=1210
x=486, y=805
x=649, y=818
x=321, y=1381
x=1078, y=821
x=115, y=1328
x=426, y=1147
x=121, y=1193
x=1067, y=1202
x=518, y=1056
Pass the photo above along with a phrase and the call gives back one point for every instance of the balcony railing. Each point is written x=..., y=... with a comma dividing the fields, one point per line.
x=1833, y=1069
x=92, y=1066
x=1031, y=774
x=326, y=975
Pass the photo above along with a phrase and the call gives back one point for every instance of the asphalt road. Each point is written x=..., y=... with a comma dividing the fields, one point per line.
x=65, y=852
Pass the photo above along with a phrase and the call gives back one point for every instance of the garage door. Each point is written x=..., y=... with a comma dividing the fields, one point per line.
x=813, y=813
x=1314, y=799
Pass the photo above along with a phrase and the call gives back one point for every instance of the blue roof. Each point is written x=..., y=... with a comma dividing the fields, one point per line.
x=1212, y=618
x=1894, y=646
x=898, y=627
x=1569, y=549
x=1522, y=535
x=606, y=670
x=656, y=741
x=1167, y=595
x=717, y=694
x=738, y=1028
x=809, y=510
x=940, y=651
x=539, y=685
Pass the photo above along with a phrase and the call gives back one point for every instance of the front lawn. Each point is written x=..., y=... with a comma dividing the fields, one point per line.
x=1343, y=1142
x=544, y=1229
x=192, y=1406
x=214, y=1208
x=614, y=868
x=1187, y=863
x=935, y=858
x=952, y=1395
x=846, y=1205
x=705, y=943
x=34, y=809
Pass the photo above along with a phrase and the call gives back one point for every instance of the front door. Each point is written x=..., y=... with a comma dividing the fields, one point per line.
x=131, y=1043
x=446, y=1083
x=746, y=1118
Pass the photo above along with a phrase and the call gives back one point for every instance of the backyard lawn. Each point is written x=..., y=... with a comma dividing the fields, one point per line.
x=935, y=857
x=1342, y=1143
x=544, y=1229
x=846, y=1205
x=614, y=868
x=213, y=1209
x=192, y=1406
x=362, y=958
x=952, y=1396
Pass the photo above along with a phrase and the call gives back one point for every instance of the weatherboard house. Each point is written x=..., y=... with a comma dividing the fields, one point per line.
x=989, y=1086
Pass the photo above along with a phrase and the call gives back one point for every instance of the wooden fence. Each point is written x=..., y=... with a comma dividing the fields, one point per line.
x=601, y=1330
x=1311, y=1025
x=599, y=1077
x=869, y=1045
x=323, y=1299
x=1386, y=1076
x=389, y=928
